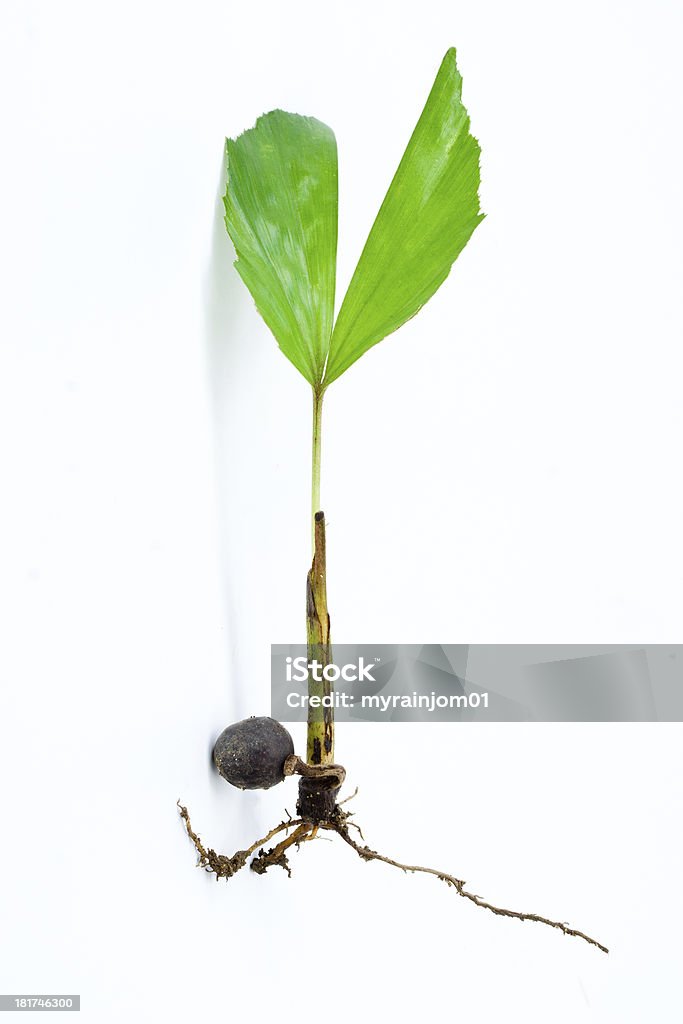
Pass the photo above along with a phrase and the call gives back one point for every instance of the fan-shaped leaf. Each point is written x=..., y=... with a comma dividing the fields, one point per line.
x=425, y=221
x=281, y=214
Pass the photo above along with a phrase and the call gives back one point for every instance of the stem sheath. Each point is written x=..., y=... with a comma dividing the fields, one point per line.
x=320, y=739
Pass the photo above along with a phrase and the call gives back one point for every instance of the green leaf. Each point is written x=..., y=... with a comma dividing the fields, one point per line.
x=424, y=223
x=281, y=214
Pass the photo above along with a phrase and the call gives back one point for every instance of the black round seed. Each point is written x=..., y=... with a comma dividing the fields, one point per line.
x=251, y=754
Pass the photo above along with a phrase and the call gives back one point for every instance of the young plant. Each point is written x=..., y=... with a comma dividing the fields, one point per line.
x=281, y=214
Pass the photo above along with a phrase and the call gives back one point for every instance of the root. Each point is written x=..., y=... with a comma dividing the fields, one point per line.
x=347, y=798
x=225, y=867
x=277, y=857
x=340, y=826
x=304, y=831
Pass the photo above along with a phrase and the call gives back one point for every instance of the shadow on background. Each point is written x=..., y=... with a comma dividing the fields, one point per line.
x=225, y=300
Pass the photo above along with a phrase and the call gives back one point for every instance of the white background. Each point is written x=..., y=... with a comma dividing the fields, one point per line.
x=505, y=469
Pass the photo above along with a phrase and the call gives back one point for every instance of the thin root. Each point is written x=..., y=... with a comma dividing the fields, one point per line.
x=225, y=867
x=347, y=798
x=340, y=826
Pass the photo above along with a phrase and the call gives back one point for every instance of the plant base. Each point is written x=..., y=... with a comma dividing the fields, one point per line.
x=317, y=801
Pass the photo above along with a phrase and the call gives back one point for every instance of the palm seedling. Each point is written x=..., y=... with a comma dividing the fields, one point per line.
x=281, y=214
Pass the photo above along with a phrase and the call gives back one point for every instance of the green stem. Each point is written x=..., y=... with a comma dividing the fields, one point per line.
x=315, y=462
x=320, y=737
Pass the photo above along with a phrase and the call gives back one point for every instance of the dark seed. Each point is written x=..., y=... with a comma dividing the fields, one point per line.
x=251, y=754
